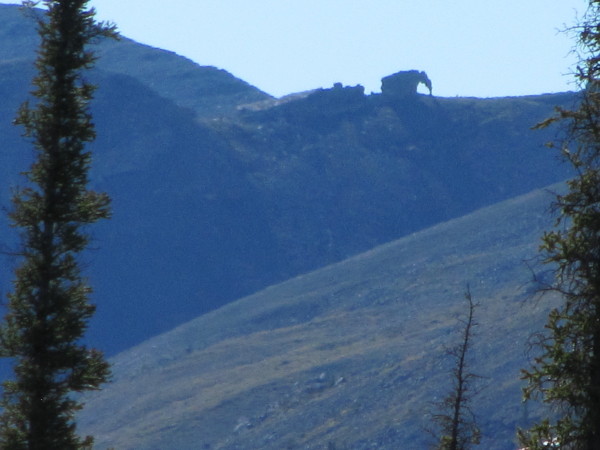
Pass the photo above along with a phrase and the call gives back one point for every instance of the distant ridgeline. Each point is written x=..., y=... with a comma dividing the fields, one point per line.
x=401, y=86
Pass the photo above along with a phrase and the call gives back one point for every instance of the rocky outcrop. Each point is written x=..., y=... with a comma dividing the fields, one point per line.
x=404, y=84
x=320, y=107
x=338, y=99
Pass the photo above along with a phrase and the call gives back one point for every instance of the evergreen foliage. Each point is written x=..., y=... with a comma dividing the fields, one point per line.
x=48, y=310
x=566, y=374
x=457, y=425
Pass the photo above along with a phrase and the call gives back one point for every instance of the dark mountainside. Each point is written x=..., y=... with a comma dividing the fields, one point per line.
x=219, y=190
x=347, y=357
x=207, y=90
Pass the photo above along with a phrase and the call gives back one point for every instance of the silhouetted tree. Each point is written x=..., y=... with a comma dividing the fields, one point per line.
x=457, y=427
x=566, y=375
x=48, y=310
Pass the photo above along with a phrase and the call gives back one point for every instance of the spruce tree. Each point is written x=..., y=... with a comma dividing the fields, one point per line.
x=457, y=427
x=566, y=374
x=48, y=308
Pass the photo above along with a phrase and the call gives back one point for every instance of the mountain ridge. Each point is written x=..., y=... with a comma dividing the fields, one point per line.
x=207, y=210
x=207, y=90
x=221, y=193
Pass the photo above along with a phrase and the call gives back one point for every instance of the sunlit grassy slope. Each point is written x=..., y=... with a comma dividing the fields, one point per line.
x=349, y=356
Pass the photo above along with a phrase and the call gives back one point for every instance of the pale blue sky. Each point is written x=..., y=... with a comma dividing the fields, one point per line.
x=468, y=47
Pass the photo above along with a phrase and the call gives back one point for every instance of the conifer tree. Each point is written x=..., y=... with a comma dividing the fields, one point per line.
x=458, y=428
x=48, y=308
x=566, y=374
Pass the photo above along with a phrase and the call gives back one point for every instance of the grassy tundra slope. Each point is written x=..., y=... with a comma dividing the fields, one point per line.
x=349, y=356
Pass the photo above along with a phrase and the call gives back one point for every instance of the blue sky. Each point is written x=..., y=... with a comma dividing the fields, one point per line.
x=477, y=48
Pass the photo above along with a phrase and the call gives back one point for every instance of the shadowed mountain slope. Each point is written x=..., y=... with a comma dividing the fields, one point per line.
x=206, y=90
x=155, y=195
x=351, y=171
x=209, y=209
x=349, y=356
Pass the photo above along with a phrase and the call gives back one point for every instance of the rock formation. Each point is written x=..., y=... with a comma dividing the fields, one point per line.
x=404, y=83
